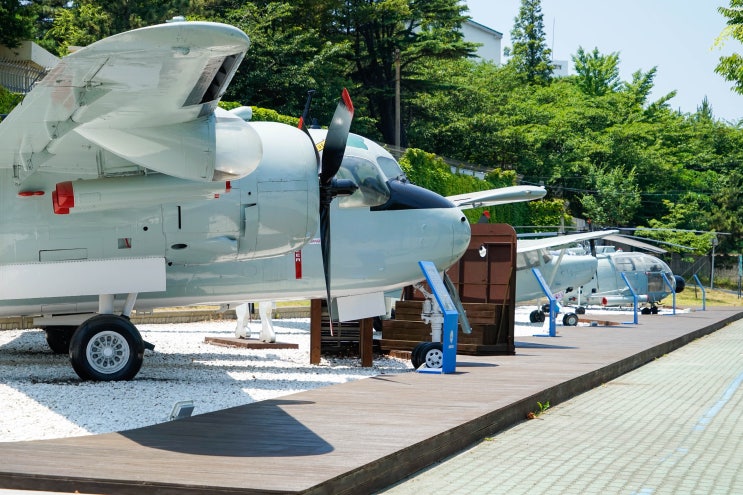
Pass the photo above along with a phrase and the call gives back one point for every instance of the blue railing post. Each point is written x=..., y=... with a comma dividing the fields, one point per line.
x=704, y=292
x=634, y=298
x=550, y=297
x=673, y=291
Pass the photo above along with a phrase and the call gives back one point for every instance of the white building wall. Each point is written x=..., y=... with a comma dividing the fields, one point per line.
x=490, y=39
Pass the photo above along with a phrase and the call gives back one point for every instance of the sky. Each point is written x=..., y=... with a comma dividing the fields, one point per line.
x=676, y=36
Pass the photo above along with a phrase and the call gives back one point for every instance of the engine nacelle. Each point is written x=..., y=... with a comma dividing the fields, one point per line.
x=281, y=198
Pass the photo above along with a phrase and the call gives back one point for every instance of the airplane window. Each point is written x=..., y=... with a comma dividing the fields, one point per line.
x=390, y=168
x=373, y=190
x=655, y=282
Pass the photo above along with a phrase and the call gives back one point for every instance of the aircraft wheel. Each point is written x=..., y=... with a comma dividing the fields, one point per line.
x=433, y=355
x=570, y=320
x=580, y=310
x=538, y=316
x=645, y=311
x=415, y=355
x=535, y=315
x=106, y=348
x=58, y=338
x=654, y=310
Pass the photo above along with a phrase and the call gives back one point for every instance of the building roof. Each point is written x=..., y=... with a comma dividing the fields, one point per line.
x=482, y=27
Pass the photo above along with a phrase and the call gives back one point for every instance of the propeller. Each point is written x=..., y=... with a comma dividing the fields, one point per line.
x=330, y=186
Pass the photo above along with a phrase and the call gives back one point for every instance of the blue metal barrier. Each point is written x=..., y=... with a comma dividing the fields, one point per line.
x=552, y=300
x=634, y=299
x=704, y=292
x=673, y=291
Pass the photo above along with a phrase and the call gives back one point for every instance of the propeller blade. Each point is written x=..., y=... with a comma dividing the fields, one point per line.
x=335, y=141
x=306, y=113
x=325, y=251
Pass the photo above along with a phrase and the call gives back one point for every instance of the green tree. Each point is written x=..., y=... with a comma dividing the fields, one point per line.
x=17, y=22
x=285, y=60
x=731, y=67
x=80, y=26
x=529, y=53
x=421, y=30
x=597, y=74
x=615, y=198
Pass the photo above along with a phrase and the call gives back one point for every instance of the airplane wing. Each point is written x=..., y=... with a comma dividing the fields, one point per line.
x=147, y=97
x=524, y=245
x=500, y=196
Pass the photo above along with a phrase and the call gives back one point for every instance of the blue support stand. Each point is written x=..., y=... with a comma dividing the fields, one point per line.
x=552, y=300
x=634, y=299
x=451, y=319
x=673, y=291
x=704, y=292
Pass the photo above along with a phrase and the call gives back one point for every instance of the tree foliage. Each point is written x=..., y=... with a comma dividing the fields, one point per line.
x=597, y=74
x=529, y=54
x=17, y=22
x=731, y=66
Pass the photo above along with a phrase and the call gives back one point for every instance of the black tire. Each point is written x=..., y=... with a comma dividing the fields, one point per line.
x=654, y=310
x=570, y=320
x=580, y=310
x=415, y=355
x=535, y=315
x=58, y=338
x=377, y=324
x=433, y=355
x=540, y=317
x=106, y=348
x=645, y=311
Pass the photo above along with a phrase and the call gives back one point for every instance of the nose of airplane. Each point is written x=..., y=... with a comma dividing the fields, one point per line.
x=461, y=234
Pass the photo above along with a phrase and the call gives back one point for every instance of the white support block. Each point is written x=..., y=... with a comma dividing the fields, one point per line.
x=361, y=306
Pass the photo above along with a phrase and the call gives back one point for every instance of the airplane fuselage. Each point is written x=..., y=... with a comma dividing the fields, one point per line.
x=223, y=244
x=563, y=274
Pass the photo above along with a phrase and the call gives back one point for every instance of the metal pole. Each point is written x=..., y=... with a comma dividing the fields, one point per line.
x=397, y=97
x=712, y=268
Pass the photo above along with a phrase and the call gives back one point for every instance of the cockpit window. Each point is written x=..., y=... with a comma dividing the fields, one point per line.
x=390, y=168
x=373, y=190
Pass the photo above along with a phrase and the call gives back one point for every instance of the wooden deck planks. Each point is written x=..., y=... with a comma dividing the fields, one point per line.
x=351, y=437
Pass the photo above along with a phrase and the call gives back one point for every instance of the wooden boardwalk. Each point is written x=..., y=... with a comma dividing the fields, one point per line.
x=356, y=437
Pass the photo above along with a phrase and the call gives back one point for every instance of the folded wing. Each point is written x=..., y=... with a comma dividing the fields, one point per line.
x=145, y=97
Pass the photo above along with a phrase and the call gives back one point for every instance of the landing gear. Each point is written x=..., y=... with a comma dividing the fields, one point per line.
x=429, y=353
x=570, y=320
x=58, y=338
x=107, y=347
x=652, y=310
x=536, y=316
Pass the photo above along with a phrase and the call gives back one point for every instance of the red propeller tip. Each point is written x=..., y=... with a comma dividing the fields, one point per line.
x=347, y=100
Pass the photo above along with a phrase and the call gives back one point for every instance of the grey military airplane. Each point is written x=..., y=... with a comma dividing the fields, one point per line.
x=563, y=270
x=122, y=183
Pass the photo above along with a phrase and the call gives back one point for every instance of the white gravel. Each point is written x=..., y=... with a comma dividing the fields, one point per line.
x=41, y=397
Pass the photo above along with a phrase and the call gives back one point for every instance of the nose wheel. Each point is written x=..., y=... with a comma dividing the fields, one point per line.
x=429, y=353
